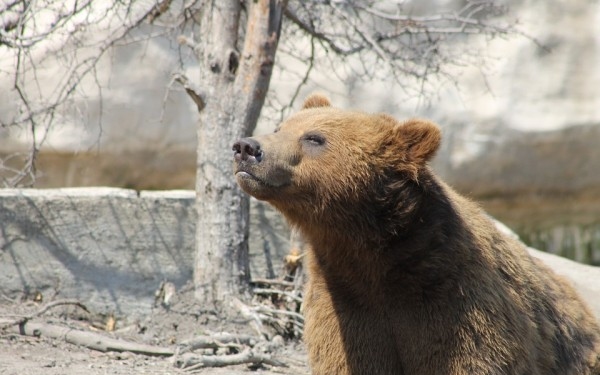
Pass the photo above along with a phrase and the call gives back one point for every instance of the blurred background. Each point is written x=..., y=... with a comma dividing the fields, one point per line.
x=519, y=105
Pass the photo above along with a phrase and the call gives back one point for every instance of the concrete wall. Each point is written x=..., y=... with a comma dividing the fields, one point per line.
x=111, y=248
x=108, y=247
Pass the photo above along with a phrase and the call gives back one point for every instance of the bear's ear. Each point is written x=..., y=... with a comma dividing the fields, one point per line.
x=420, y=139
x=316, y=101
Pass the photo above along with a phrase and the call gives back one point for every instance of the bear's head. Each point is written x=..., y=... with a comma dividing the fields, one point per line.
x=324, y=164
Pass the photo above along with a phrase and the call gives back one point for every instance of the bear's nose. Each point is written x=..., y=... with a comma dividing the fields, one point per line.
x=247, y=149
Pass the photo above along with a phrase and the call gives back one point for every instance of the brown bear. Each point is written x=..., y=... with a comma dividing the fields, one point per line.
x=405, y=275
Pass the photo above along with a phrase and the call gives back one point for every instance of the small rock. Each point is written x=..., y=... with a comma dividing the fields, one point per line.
x=277, y=341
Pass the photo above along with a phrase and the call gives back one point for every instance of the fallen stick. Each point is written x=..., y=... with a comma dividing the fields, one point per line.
x=216, y=340
x=192, y=362
x=89, y=340
x=273, y=282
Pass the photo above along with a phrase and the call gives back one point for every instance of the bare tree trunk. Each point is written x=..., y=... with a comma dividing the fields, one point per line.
x=234, y=87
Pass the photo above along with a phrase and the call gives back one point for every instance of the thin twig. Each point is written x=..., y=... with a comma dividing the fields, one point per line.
x=291, y=295
x=310, y=63
x=273, y=282
x=323, y=37
x=46, y=307
x=267, y=310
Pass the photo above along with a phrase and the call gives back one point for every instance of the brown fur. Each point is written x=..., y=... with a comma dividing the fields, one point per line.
x=405, y=275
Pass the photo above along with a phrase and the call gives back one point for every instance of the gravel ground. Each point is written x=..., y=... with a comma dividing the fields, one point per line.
x=28, y=355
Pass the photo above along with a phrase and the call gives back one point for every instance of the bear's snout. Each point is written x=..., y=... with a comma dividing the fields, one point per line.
x=247, y=149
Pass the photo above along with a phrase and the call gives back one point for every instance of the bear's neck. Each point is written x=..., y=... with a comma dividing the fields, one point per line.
x=401, y=210
x=406, y=236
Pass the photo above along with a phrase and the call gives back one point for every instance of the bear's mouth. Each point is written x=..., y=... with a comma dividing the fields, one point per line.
x=247, y=175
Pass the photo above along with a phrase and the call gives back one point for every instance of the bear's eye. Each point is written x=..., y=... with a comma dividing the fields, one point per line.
x=314, y=139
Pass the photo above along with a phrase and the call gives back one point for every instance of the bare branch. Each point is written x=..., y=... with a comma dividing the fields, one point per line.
x=310, y=64
x=41, y=311
x=370, y=41
x=257, y=58
x=323, y=37
x=158, y=10
x=193, y=92
x=63, y=34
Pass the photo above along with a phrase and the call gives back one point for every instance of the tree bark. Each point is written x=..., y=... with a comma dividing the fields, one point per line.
x=234, y=87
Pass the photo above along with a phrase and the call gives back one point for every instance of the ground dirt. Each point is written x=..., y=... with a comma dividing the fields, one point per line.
x=165, y=327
